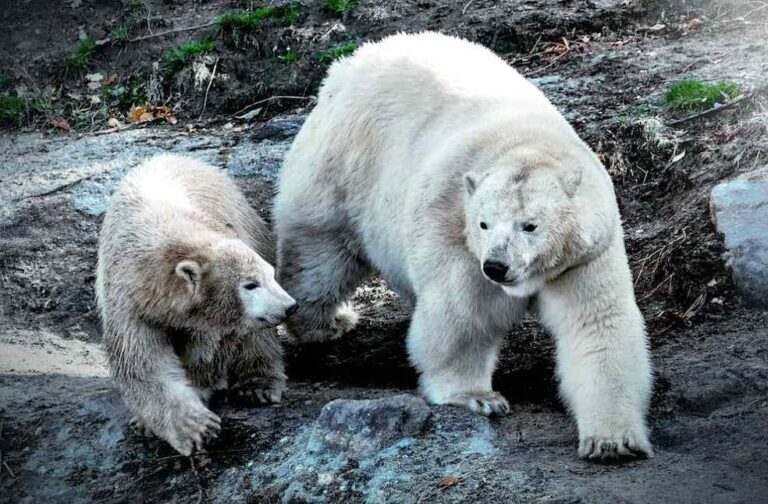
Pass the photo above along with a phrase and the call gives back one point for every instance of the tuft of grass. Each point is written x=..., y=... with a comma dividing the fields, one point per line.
x=343, y=49
x=338, y=7
x=694, y=95
x=176, y=58
x=81, y=58
x=120, y=35
x=11, y=107
x=288, y=57
x=249, y=20
x=123, y=95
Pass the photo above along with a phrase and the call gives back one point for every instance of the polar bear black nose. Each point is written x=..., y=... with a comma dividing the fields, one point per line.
x=291, y=309
x=495, y=270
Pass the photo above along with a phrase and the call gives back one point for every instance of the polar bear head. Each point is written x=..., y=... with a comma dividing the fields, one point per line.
x=528, y=222
x=231, y=284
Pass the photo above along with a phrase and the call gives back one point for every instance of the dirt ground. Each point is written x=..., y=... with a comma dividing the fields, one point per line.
x=606, y=64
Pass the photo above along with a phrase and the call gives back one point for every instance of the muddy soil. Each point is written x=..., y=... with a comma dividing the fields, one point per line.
x=63, y=430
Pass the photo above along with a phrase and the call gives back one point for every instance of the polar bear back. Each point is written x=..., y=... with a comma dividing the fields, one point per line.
x=381, y=156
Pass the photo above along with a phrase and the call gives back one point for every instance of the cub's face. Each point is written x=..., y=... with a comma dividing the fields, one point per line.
x=236, y=287
x=519, y=226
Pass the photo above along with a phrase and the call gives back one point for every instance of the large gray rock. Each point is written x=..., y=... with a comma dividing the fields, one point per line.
x=740, y=212
x=362, y=427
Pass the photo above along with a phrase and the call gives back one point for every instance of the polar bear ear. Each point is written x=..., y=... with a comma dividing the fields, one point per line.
x=470, y=182
x=191, y=272
x=571, y=181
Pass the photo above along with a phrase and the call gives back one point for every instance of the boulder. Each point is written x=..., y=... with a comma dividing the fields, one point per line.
x=739, y=210
x=362, y=427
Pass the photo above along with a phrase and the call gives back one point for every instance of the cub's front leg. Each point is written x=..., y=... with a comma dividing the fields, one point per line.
x=602, y=355
x=258, y=370
x=156, y=388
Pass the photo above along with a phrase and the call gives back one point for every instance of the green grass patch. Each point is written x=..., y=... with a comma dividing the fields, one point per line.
x=249, y=20
x=343, y=49
x=11, y=107
x=288, y=57
x=120, y=35
x=122, y=96
x=338, y=7
x=176, y=58
x=697, y=95
x=81, y=58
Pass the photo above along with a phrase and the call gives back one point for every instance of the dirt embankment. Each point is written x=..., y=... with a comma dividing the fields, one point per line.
x=606, y=65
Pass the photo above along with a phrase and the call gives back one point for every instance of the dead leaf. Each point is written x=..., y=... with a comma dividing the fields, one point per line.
x=103, y=41
x=93, y=86
x=61, y=124
x=249, y=115
x=694, y=24
x=191, y=127
x=75, y=3
x=448, y=481
x=110, y=80
x=148, y=113
x=95, y=100
x=94, y=77
x=113, y=123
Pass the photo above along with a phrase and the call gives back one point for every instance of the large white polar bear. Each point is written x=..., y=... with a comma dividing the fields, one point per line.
x=432, y=161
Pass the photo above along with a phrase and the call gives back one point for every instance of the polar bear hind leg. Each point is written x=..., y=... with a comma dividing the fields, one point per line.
x=320, y=268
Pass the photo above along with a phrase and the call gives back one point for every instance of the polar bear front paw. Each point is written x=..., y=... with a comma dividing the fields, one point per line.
x=614, y=447
x=484, y=403
x=190, y=427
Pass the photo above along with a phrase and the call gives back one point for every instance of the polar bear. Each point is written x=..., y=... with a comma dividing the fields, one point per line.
x=187, y=300
x=429, y=159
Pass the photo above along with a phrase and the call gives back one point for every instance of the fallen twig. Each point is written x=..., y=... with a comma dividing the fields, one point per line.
x=169, y=32
x=271, y=98
x=208, y=89
x=110, y=130
x=711, y=111
x=466, y=6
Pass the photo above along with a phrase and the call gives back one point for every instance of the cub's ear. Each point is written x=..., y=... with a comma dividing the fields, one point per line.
x=191, y=272
x=571, y=181
x=470, y=182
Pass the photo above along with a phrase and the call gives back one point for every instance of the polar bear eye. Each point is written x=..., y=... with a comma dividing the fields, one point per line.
x=251, y=285
x=483, y=225
x=529, y=228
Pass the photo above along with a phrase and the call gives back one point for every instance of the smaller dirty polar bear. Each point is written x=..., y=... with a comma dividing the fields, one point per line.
x=431, y=160
x=188, y=301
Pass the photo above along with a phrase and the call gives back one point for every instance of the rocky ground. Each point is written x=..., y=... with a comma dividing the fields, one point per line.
x=63, y=430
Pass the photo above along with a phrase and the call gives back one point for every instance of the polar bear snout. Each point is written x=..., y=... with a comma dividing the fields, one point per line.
x=497, y=271
x=270, y=305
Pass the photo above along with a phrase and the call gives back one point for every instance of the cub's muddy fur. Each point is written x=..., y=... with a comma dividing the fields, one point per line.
x=188, y=298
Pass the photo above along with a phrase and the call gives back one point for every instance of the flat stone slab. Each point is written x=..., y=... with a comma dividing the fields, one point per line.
x=361, y=427
x=739, y=211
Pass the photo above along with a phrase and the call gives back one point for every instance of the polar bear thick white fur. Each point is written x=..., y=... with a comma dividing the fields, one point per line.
x=431, y=160
x=188, y=299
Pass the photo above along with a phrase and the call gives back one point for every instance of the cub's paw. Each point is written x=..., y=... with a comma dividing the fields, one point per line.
x=609, y=448
x=140, y=427
x=190, y=426
x=345, y=319
x=484, y=403
x=260, y=390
